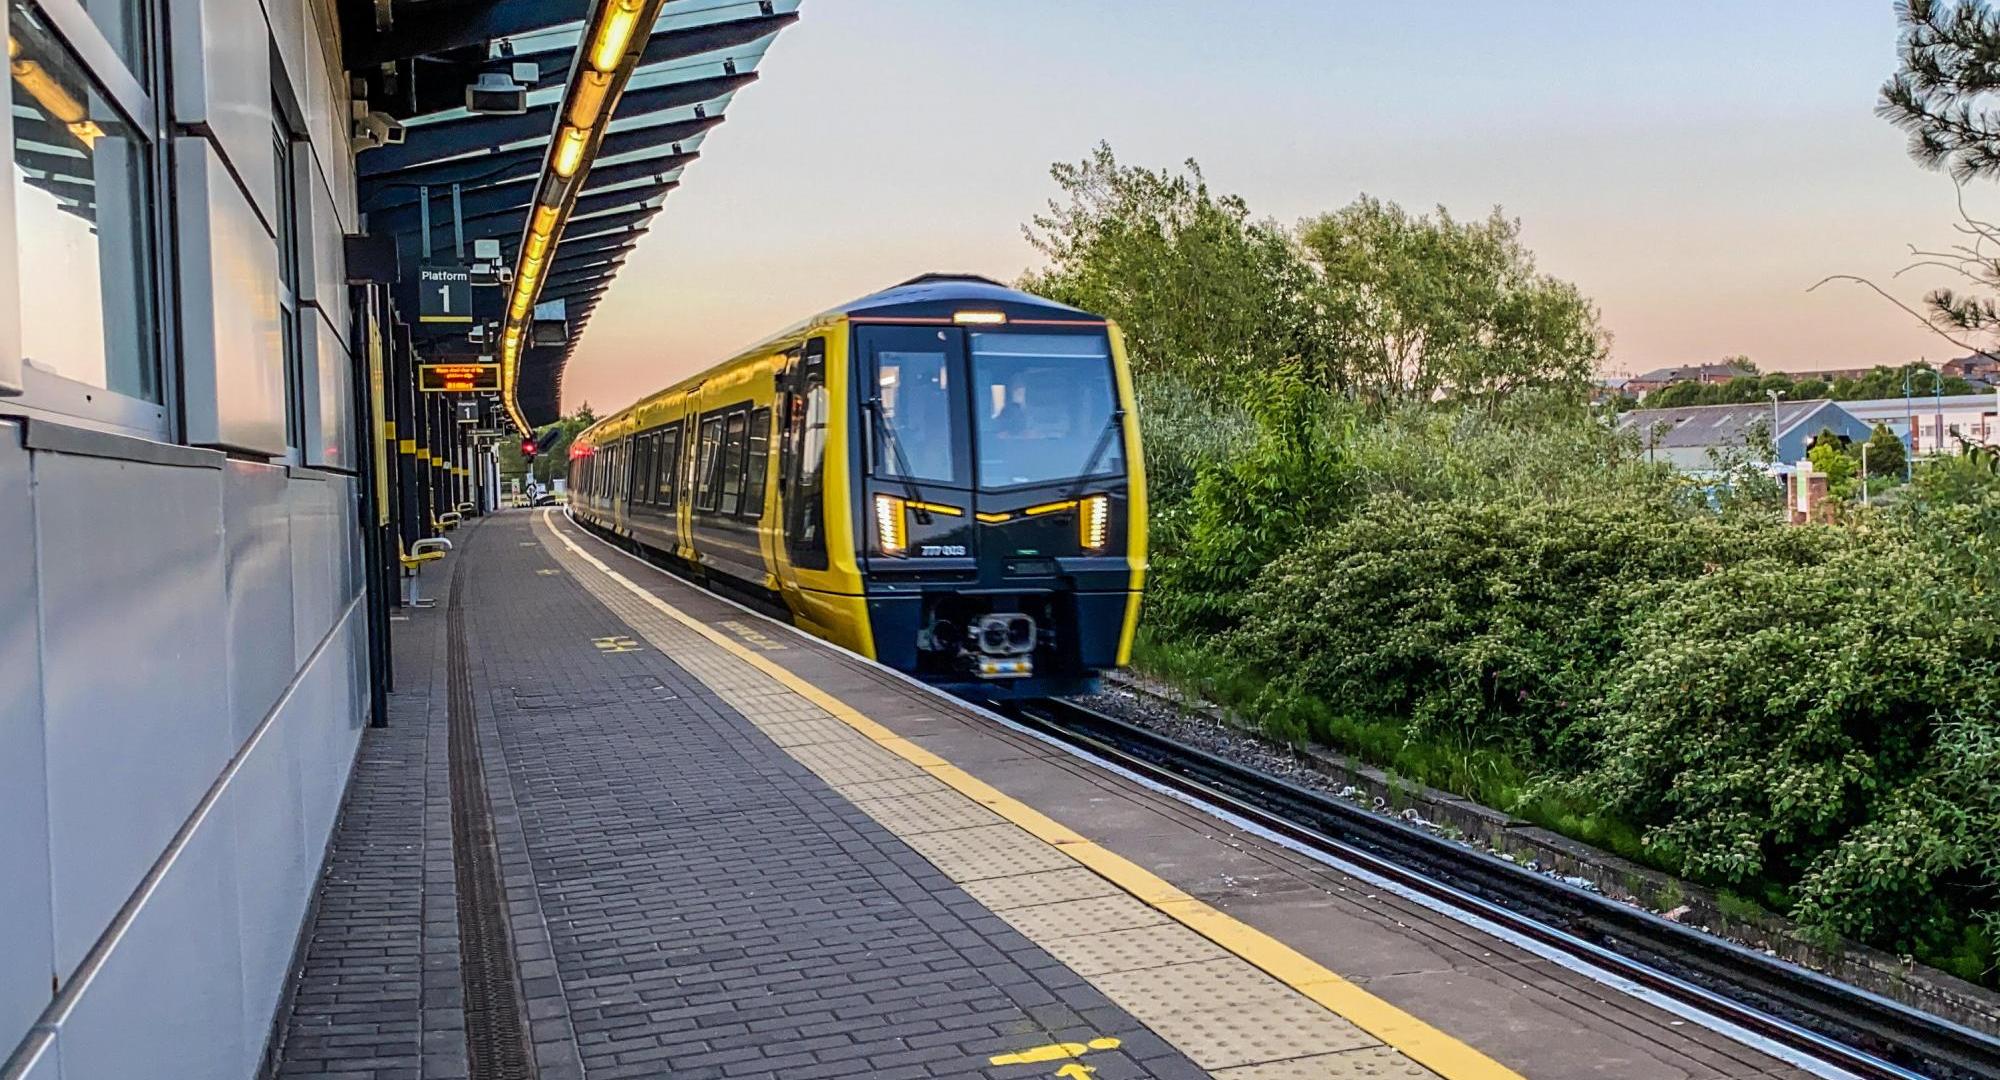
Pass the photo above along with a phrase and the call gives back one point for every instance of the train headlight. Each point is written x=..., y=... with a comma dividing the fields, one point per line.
x=891, y=534
x=1093, y=523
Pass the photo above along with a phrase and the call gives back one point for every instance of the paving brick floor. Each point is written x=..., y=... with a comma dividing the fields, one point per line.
x=685, y=899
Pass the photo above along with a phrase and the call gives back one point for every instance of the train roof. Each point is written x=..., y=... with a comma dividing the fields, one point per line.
x=942, y=294
x=926, y=296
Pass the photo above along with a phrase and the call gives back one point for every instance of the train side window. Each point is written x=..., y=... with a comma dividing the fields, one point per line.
x=734, y=434
x=756, y=464
x=642, y=464
x=805, y=514
x=709, y=469
x=663, y=468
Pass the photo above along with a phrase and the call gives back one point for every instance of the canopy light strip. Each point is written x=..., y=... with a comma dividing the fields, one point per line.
x=606, y=55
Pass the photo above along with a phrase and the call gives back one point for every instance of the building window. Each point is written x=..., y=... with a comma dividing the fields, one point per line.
x=289, y=322
x=85, y=219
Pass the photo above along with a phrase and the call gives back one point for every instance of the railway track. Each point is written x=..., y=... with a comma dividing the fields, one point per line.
x=1808, y=1014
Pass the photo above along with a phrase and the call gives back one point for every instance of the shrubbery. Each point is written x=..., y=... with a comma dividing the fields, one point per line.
x=1383, y=519
x=1806, y=714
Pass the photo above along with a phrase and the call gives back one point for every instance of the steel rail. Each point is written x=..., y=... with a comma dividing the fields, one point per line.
x=1841, y=1025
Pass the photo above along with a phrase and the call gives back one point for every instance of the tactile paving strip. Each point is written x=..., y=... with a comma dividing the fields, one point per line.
x=1074, y=918
x=992, y=851
x=1263, y=1032
x=1129, y=950
x=1015, y=874
x=1196, y=987
x=934, y=811
x=1367, y=1063
x=1028, y=890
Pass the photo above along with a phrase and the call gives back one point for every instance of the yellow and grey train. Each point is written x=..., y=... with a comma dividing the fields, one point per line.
x=944, y=476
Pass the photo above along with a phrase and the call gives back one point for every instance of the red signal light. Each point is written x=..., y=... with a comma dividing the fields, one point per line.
x=528, y=448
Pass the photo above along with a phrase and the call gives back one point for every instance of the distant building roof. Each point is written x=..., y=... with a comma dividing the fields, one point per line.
x=1692, y=373
x=1720, y=425
x=1921, y=404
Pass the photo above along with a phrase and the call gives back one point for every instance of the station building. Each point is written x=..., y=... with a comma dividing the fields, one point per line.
x=237, y=236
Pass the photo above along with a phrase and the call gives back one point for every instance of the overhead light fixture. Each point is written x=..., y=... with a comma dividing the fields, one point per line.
x=569, y=151
x=591, y=88
x=615, y=36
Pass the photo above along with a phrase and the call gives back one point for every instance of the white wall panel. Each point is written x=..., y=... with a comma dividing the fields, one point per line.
x=276, y=861
x=136, y=708
x=323, y=93
x=168, y=1001
x=323, y=263
x=26, y=932
x=232, y=351
x=315, y=552
x=258, y=576
x=333, y=417
x=222, y=83
x=289, y=21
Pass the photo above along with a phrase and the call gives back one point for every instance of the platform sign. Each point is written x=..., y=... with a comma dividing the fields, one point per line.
x=444, y=293
x=457, y=378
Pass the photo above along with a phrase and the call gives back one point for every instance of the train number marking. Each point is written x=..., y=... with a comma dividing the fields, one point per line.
x=617, y=643
x=751, y=635
x=941, y=549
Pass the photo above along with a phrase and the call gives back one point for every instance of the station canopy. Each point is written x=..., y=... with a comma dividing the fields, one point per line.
x=417, y=59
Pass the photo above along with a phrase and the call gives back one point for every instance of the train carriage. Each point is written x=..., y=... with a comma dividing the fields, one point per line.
x=944, y=476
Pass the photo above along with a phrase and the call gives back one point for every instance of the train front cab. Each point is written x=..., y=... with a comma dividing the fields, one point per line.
x=1002, y=497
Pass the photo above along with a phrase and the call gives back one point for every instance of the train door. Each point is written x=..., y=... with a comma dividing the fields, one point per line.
x=801, y=552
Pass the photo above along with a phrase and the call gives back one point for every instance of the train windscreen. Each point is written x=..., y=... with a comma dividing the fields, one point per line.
x=1045, y=407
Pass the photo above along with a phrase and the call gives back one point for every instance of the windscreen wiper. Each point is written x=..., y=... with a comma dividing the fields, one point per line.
x=911, y=495
x=1111, y=425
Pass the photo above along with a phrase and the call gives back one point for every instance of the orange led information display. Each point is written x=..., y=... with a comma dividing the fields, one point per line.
x=458, y=378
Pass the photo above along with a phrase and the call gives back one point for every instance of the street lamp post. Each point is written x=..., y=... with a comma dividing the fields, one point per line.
x=1864, y=474
x=1774, y=395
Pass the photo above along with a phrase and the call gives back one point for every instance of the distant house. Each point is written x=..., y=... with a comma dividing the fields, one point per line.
x=1829, y=375
x=1690, y=438
x=1667, y=376
x=1929, y=424
x=1978, y=368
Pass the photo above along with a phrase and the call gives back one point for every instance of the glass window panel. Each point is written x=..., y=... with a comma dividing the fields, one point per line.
x=124, y=24
x=83, y=206
x=915, y=435
x=1044, y=405
x=732, y=465
x=760, y=453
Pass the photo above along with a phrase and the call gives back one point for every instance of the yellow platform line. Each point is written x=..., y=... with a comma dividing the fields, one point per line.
x=1437, y=1051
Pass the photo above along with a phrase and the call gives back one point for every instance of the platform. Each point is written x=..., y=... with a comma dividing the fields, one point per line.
x=626, y=829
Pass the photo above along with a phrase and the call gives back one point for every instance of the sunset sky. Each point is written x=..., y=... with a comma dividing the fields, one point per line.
x=1692, y=166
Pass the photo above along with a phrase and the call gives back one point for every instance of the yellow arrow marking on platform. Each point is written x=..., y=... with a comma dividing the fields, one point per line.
x=1075, y=1071
x=615, y=644
x=1055, y=1052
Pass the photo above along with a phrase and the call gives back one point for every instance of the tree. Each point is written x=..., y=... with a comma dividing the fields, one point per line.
x=1886, y=455
x=551, y=447
x=1424, y=306
x=1201, y=290
x=1940, y=95
x=1947, y=53
x=1367, y=301
x=1830, y=459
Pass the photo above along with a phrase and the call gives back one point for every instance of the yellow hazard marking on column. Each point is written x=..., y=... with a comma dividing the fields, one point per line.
x=1417, y=1040
x=1054, y=1052
x=616, y=643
